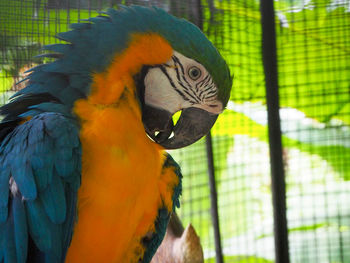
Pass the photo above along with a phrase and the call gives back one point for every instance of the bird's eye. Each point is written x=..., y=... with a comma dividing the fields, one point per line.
x=194, y=73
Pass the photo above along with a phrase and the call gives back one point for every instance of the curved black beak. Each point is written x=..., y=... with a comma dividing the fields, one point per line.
x=192, y=125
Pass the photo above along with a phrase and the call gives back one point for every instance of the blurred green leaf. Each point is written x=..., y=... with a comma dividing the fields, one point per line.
x=241, y=259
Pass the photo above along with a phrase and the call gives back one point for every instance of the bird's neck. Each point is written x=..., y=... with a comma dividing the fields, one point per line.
x=143, y=49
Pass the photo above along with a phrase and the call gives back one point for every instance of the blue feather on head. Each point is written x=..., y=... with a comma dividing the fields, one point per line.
x=93, y=44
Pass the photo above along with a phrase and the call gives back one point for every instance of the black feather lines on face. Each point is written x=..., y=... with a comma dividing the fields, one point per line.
x=183, y=82
x=202, y=91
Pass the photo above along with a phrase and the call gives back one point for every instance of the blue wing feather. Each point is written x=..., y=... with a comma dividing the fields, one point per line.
x=35, y=135
x=43, y=158
x=71, y=199
x=22, y=173
x=74, y=181
x=43, y=177
x=54, y=201
x=20, y=229
x=9, y=246
x=47, y=106
x=4, y=193
x=40, y=227
x=3, y=214
x=1, y=252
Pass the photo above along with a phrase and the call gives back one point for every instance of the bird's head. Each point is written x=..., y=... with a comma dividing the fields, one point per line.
x=195, y=81
x=181, y=84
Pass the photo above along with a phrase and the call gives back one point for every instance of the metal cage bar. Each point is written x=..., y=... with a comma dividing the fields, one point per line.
x=278, y=185
x=214, y=210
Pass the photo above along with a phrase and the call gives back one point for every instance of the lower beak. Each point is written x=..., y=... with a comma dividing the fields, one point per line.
x=192, y=125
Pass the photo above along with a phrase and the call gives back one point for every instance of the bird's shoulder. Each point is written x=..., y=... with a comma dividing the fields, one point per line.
x=40, y=169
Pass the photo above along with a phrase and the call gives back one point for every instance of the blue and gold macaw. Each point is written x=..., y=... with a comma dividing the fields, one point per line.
x=83, y=172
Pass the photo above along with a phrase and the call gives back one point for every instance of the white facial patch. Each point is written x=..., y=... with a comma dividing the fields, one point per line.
x=159, y=92
x=180, y=83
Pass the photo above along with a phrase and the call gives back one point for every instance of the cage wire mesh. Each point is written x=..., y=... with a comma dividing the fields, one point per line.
x=314, y=72
x=313, y=42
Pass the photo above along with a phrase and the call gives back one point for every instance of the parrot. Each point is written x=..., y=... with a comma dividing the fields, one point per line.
x=85, y=175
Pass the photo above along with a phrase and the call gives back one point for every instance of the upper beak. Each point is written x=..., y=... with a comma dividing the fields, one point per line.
x=192, y=125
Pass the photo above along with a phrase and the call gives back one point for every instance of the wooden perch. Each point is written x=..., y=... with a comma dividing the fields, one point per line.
x=179, y=245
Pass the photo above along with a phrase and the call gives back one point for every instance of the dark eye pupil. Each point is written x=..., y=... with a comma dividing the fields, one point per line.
x=194, y=73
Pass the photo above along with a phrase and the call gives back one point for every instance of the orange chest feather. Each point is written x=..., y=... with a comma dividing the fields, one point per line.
x=121, y=188
x=123, y=184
